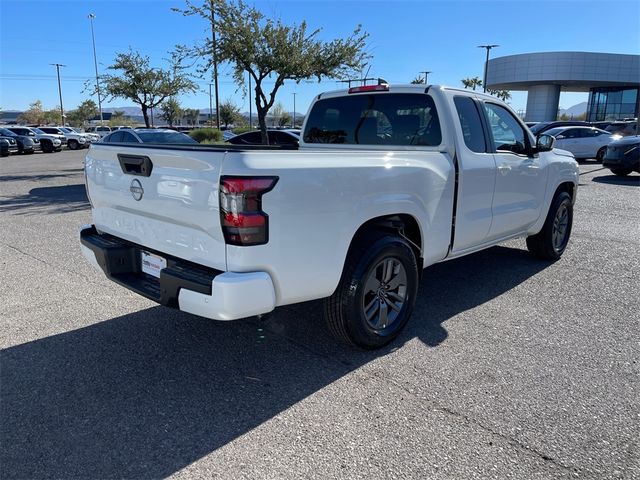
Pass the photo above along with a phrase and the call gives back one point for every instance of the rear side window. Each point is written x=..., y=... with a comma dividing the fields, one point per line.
x=471, y=124
x=377, y=119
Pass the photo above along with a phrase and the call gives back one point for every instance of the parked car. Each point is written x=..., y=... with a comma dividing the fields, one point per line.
x=541, y=127
x=4, y=147
x=12, y=144
x=276, y=137
x=623, y=128
x=48, y=143
x=151, y=135
x=101, y=130
x=623, y=156
x=91, y=137
x=583, y=142
x=228, y=135
x=74, y=140
x=25, y=144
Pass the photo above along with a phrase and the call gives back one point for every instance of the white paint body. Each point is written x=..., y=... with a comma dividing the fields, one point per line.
x=324, y=194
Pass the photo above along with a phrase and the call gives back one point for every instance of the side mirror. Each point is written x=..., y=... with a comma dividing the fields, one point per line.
x=545, y=143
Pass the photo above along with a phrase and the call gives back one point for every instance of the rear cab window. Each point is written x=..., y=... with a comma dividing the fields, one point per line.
x=402, y=119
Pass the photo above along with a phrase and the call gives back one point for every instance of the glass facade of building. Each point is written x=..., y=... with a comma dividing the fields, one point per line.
x=612, y=103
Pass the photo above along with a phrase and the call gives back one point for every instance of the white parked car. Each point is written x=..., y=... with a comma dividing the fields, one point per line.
x=583, y=142
x=387, y=180
x=100, y=130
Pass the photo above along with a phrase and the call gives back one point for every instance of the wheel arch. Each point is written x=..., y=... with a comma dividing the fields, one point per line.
x=402, y=224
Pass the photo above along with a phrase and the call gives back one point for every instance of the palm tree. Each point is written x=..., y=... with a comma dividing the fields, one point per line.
x=471, y=83
x=418, y=80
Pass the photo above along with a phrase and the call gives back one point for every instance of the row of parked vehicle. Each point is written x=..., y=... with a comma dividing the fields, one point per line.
x=587, y=140
x=18, y=139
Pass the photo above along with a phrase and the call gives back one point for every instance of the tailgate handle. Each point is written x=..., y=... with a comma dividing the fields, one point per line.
x=139, y=165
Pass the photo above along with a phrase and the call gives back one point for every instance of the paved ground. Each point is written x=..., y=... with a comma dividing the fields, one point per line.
x=510, y=367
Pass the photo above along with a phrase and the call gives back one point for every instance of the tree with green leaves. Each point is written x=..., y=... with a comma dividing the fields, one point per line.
x=503, y=95
x=171, y=110
x=280, y=117
x=271, y=52
x=143, y=84
x=418, y=80
x=229, y=113
x=35, y=115
x=85, y=111
x=472, y=83
x=192, y=115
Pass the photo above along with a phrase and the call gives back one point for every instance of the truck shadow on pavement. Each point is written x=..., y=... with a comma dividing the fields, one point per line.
x=56, y=199
x=148, y=393
x=630, y=180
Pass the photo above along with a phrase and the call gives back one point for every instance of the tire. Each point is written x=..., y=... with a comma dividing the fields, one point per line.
x=600, y=154
x=621, y=172
x=47, y=147
x=73, y=145
x=551, y=242
x=376, y=293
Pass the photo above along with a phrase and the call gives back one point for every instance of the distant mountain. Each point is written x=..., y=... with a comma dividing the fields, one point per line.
x=128, y=111
x=574, y=111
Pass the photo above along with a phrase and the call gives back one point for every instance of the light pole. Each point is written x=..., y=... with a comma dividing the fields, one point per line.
x=486, y=64
x=250, y=115
x=91, y=16
x=210, y=106
x=425, y=76
x=58, y=65
x=294, y=109
x=215, y=60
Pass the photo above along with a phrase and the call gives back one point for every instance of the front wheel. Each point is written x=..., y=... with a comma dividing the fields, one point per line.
x=552, y=240
x=600, y=154
x=73, y=145
x=376, y=294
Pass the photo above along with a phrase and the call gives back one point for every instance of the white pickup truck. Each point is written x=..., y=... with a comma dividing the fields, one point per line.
x=387, y=180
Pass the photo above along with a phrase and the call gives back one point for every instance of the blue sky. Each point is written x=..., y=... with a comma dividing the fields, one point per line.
x=406, y=37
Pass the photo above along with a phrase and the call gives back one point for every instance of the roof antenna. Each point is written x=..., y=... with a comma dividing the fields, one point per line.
x=365, y=75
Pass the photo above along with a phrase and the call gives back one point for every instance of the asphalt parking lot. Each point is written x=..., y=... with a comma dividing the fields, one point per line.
x=510, y=367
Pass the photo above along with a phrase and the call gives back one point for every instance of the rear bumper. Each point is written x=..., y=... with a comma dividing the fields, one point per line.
x=184, y=285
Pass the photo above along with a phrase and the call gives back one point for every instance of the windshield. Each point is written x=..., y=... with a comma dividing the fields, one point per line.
x=554, y=131
x=7, y=133
x=164, y=137
x=66, y=129
x=538, y=126
x=38, y=131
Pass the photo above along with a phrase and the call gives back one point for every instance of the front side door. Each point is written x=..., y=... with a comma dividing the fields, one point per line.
x=477, y=176
x=521, y=177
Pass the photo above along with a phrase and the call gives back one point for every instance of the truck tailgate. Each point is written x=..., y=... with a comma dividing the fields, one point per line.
x=165, y=199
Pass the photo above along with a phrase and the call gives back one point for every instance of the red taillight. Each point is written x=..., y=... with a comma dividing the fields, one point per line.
x=243, y=221
x=370, y=88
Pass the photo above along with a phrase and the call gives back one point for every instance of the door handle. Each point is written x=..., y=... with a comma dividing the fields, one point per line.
x=139, y=165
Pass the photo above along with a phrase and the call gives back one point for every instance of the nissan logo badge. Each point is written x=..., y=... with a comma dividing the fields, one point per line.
x=136, y=190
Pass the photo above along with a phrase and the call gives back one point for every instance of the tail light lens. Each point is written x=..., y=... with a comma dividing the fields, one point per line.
x=243, y=221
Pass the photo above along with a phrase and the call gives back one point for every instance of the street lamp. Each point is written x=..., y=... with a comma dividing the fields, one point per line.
x=486, y=64
x=62, y=115
x=425, y=76
x=294, y=109
x=91, y=16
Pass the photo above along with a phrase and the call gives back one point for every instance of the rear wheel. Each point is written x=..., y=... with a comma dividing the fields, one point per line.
x=552, y=240
x=621, y=172
x=377, y=292
x=600, y=154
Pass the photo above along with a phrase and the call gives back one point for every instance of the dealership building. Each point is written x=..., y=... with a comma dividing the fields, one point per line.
x=612, y=80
